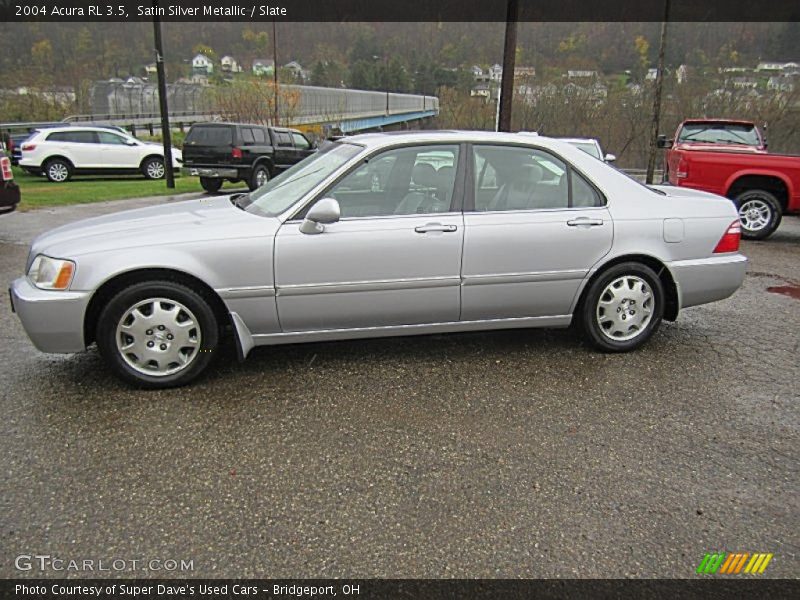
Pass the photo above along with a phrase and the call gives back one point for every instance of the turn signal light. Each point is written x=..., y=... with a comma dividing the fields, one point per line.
x=28, y=147
x=729, y=242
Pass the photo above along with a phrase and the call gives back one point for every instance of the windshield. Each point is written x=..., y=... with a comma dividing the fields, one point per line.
x=720, y=133
x=589, y=147
x=279, y=194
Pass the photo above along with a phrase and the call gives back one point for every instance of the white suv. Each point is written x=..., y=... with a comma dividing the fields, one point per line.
x=61, y=152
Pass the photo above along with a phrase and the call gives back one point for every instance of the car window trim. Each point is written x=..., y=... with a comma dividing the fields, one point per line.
x=469, y=205
x=298, y=215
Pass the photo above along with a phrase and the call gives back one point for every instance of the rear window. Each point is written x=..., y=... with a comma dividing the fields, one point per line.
x=210, y=136
x=719, y=133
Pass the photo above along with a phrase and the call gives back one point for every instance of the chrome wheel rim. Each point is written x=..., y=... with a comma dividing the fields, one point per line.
x=625, y=308
x=261, y=177
x=158, y=337
x=58, y=172
x=155, y=169
x=755, y=214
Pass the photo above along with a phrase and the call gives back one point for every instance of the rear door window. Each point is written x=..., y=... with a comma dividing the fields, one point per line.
x=260, y=135
x=210, y=136
x=283, y=138
x=247, y=136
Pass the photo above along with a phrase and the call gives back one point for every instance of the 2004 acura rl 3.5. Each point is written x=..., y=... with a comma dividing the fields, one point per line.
x=381, y=235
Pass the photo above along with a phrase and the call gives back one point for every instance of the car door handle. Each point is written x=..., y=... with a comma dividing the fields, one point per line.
x=430, y=227
x=584, y=222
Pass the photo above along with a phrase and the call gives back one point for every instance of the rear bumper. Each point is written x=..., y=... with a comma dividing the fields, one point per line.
x=214, y=172
x=708, y=279
x=53, y=320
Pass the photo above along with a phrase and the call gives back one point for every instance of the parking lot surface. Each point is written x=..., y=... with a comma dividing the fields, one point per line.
x=510, y=454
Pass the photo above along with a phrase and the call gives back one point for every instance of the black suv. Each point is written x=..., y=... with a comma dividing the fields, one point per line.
x=240, y=152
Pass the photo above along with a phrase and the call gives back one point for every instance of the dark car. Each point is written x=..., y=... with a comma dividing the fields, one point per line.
x=241, y=152
x=9, y=190
x=14, y=145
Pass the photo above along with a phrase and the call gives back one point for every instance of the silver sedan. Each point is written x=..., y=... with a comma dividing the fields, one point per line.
x=383, y=235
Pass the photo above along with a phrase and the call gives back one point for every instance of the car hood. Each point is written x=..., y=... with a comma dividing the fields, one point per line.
x=167, y=224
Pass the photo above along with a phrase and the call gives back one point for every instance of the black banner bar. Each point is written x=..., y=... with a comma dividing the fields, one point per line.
x=712, y=587
x=397, y=10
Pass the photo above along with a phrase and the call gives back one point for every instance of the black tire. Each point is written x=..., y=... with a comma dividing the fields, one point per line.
x=759, y=213
x=260, y=173
x=58, y=170
x=644, y=279
x=211, y=184
x=153, y=168
x=198, y=308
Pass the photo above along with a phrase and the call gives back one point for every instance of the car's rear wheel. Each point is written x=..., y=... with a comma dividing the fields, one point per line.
x=258, y=177
x=153, y=168
x=623, y=307
x=759, y=212
x=157, y=334
x=58, y=170
x=211, y=184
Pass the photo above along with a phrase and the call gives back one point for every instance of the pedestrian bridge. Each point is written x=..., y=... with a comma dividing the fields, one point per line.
x=134, y=105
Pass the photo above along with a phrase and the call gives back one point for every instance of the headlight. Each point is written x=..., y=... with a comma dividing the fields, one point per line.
x=51, y=273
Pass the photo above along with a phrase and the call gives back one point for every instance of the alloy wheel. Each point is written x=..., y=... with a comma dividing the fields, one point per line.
x=625, y=308
x=58, y=171
x=155, y=169
x=755, y=214
x=158, y=337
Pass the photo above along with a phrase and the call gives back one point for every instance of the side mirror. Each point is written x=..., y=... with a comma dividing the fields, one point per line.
x=610, y=157
x=324, y=212
x=131, y=143
x=663, y=142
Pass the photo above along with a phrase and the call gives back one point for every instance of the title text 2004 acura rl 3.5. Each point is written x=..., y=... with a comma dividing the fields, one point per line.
x=382, y=235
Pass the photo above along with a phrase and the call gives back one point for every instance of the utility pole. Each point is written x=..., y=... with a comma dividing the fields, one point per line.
x=651, y=159
x=162, y=99
x=275, y=68
x=509, y=58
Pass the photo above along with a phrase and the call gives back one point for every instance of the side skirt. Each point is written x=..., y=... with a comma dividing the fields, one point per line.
x=246, y=340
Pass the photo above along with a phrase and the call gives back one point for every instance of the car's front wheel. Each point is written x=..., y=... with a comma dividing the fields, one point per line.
x=759, y=212
x=58, y=170
x=623, y=307
x=157, y=334
x=153, y=168
x=211, y=184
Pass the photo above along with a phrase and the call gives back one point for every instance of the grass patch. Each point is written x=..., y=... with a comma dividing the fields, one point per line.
x=38, y=191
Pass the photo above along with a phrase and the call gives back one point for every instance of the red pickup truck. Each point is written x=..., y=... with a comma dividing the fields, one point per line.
x=730, y=158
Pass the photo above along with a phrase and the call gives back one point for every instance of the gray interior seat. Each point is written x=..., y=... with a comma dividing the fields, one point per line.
x=521, y=192
x=421, y=201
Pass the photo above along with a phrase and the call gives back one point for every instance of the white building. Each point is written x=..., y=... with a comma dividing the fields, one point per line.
x=230, y=65
x=202, y=64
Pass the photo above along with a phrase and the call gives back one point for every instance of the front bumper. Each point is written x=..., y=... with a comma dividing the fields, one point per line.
x=213, y=172
x=708, y=279
x=53, y=320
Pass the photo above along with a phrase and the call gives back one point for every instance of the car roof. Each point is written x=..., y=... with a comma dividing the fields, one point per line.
x=578, y=140
x=723, y=121
x=379, y=140
x=74, y=128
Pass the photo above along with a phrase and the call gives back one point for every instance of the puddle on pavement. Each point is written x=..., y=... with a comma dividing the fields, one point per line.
x=793, y=291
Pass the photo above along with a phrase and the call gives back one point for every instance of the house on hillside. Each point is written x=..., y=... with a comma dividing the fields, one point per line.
x=780, y=84
x=524, y=73
x=581, y=74
x=263, y=66
x=201, y=64
x=482, y=90
x=297, y=70
x=496, y=73
x=228, y=64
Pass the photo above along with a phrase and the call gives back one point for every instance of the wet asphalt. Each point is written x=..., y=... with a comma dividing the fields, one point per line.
x=509, y=454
